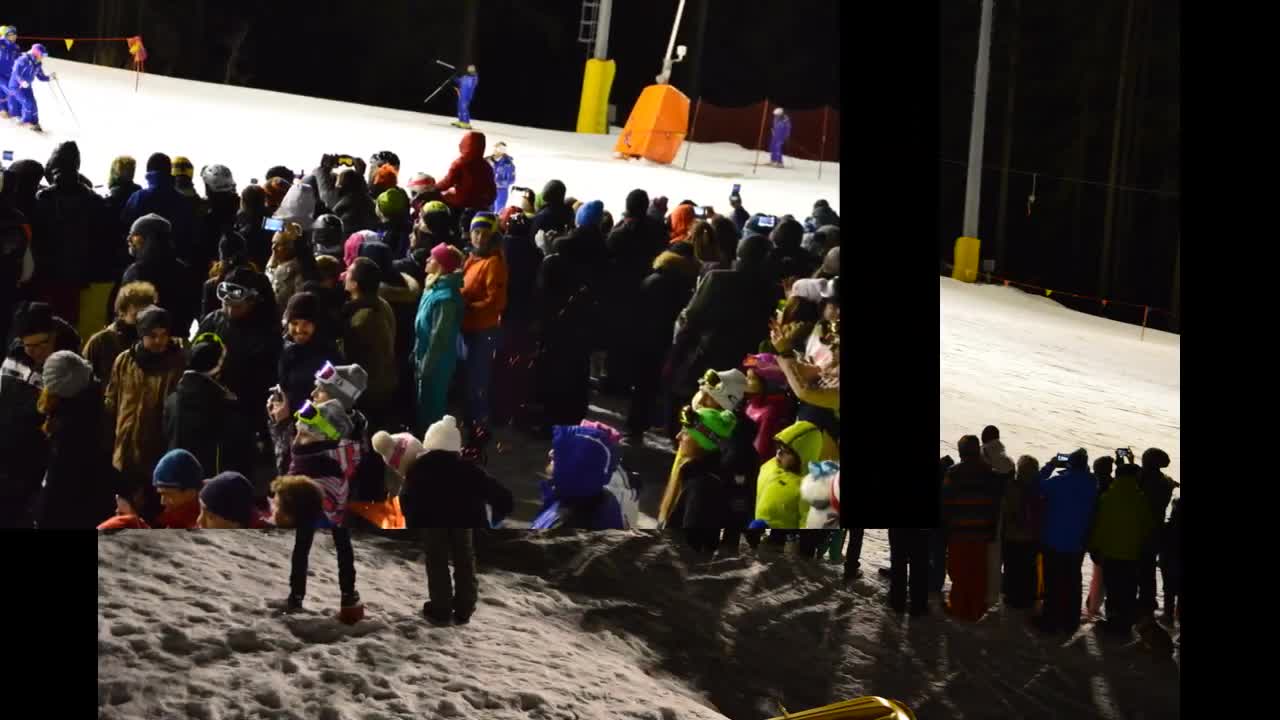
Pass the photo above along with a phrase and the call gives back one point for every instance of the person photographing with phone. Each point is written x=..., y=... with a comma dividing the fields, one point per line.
x=1070, y=493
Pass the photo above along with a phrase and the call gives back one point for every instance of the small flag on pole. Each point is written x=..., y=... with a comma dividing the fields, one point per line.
x=69, y=42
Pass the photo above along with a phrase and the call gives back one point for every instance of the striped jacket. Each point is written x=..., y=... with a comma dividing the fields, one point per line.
x=971, y=502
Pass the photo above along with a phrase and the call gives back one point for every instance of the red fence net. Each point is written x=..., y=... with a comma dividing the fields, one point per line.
x=749, y=126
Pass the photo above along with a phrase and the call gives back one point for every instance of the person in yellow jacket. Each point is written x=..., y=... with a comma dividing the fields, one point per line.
x=1122, y=525
x=778, y=500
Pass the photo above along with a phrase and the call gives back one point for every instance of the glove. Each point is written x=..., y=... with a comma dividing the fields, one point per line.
x=24, y=83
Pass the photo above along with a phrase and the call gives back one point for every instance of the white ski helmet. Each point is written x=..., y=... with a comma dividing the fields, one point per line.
x=777, y=111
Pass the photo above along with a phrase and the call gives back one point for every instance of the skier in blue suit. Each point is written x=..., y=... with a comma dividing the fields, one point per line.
x=9, y=52
x=466, y=91
x=504, y=175
x=778, y=138
x=21, y=97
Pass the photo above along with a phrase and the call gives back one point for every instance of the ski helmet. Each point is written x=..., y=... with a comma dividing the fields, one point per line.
x=777, y=111
x=38, y=49
x=9, y=30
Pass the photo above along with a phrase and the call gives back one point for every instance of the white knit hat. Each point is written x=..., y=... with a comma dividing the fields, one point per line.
x=443, y=435
x=398, y=451
x=729, y=391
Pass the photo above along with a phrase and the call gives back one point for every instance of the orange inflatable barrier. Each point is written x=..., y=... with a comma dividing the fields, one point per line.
x=657, y=125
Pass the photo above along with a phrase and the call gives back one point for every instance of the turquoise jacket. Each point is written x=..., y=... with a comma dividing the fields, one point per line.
x=436, y=327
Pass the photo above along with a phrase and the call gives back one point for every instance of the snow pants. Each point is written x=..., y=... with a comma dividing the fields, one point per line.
x=433, y=393
x=482, y=348
x=775, y=151
x=450, y=596
x=967, y=566
x=302, y=539
x=22, y=102
x=909, y=567
x=1020, y=574
x=464, y=111
x=500, y=201
x=1120, y=578
x=1062, y=591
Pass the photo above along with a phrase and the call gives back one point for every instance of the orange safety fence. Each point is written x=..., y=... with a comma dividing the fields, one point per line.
x=136, y=49
x=1147, y=310
x=815, y=133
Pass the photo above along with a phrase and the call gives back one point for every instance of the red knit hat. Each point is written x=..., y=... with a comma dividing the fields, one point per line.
x=448, y=256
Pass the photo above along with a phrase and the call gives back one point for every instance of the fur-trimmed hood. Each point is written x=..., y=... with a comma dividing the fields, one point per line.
x=676, y=262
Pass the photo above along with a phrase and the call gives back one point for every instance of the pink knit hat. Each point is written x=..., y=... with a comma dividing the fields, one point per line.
x=448, y=256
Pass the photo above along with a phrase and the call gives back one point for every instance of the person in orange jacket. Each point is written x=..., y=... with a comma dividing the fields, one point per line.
x=484, y=293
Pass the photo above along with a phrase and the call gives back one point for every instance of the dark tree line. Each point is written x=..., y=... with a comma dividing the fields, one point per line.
x=1081, y=91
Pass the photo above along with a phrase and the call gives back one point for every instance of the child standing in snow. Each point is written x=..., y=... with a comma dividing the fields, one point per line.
x=319, y=428
x=778, y=500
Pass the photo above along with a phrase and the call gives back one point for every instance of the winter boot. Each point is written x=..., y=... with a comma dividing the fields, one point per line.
x=291, y=604
x=351, y=610
x=434, y=616
x=460, y=618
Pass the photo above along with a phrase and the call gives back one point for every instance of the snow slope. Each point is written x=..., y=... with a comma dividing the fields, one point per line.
x=569, y=626
x=250, y=131
x=1053, y=379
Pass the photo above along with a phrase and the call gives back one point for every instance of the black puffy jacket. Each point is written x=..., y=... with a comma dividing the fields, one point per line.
x=444, y=491
x=70, y=227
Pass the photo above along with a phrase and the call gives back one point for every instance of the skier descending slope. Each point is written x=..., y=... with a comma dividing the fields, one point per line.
x=466, y=91
x=778, y=138
x=21, y=96
x=9, y=52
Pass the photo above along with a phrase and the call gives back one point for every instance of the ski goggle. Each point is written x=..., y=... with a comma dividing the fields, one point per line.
x=235, y=294
x=711, y=379
x=329, y=376
x=309, y=415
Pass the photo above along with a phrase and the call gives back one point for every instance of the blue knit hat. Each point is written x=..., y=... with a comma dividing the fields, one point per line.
x=486, y=220
x=229, y=495
x=590, y=213
x=178, y=469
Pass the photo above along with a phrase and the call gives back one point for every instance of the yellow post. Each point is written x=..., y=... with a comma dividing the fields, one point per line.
x=966, y=259
x=593, y=110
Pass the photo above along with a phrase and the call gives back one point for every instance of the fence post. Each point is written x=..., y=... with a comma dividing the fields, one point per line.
x=764, y=115
x=1146, y=310
x=689, y=138
x=822, y=152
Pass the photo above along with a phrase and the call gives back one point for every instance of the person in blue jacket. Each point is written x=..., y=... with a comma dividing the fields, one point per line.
x=9, y=52
x=582, y=462
x=1069, y=498
x=466, y=91
x=22, y=98
x=504, y=175
x=161, y=197
x=778, y=138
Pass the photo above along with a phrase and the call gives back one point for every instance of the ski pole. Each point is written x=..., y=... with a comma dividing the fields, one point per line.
x=57, y=83
x=437, y=90
x=441, y=62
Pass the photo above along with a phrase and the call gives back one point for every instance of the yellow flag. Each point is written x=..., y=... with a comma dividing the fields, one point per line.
x=1048, y=293
x=69, y=42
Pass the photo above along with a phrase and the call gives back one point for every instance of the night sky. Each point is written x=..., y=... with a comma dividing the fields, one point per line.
x=1062, y=124
x=529, y=60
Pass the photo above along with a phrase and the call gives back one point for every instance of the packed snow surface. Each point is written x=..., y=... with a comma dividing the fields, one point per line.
x=1053, y=379
x=251, y=130
x=569, y=626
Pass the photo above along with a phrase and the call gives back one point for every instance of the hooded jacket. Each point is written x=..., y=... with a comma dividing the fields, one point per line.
x=442, y=490
x=369, y=340
x=140, y=382
x=162, y=198
x=1122, y=525
x=554, y=215
x=106, y=345
x=436, y=327
x=70, y=223
x=578, y=494
x=80, y=481
x=199, y=418
x=778, y=500
x=663, y=294
x=1069, y=498
x=682, y=220
x=971, y=502
x=469, y=182
x=484, y=289
x=177, y=289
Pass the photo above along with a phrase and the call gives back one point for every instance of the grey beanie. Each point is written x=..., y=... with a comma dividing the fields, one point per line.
x=150, y=225
x=66, y=374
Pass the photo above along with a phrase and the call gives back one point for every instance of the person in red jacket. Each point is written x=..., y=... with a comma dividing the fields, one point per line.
x=469, y=183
